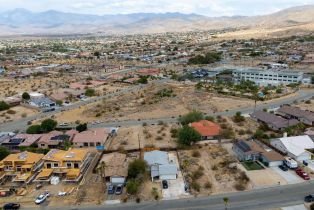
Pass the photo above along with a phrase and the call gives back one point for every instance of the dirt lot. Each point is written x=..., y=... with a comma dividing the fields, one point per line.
x=16, y=113
x=208, y=170
x=134, y=137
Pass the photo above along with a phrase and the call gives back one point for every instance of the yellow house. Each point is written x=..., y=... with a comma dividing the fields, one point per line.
x=22, y=167
x=68, y=165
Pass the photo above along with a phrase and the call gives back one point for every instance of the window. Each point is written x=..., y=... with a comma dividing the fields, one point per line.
x=85, y=144
x=76, y=165
x=48, y=165
x=69, y=165
x=56, y=165
x=92, y=144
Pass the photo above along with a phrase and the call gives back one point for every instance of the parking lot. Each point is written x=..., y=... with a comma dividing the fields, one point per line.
x=290, y=176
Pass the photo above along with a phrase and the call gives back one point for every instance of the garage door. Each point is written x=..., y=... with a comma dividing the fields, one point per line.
x=117, y=180
x=275, y=163
x=168, y=177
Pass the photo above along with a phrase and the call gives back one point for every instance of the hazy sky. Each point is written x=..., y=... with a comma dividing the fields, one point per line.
x=204, y=7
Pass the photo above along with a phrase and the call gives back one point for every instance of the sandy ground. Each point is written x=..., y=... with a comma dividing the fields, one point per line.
x=135, y=137
x=306, y=106
x=20, y=112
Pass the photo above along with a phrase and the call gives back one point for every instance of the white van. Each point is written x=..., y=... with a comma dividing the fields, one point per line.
x=290, y=163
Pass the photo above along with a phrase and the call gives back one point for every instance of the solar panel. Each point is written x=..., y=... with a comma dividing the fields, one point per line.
x=243, y=146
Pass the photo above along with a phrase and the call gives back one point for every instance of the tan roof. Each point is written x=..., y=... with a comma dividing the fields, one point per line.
x=26, y=157
x=45, y=173
x=92, y=135
x=273, y=156
x=73, y=154
x=73, y=173
x=115, y=164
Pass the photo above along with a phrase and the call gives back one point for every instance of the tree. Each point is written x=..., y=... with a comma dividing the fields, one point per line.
x=59, y=102
x=136, y=168
x=3, y=152
x=210, y=57
x=187, y=136
x=193, y=116
x=81, y=127
x=226, y=202
x=89, y=92
x=48, y=125
x=143, y=80
x=3, y=106
x=26, y=96
x=132, y=187
x=238, y=117
x=34, y=129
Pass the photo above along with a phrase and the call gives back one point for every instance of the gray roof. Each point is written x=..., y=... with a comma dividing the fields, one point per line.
x=272, y=119
x=169, y=169
x=295, y=111
x=156, y=157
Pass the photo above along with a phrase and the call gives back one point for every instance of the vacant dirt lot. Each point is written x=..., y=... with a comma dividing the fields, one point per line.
x=16, y=113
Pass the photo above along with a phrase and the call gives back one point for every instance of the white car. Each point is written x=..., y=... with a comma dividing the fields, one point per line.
x=41, y=198
x=62, y=193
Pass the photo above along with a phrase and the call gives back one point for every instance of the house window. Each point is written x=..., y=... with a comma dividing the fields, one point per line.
x=69, y=165
x=42, y=145
x=98, y=144
x=92, y=144
x=76, y=165
x=48, y=165
x=55, y=165
x=85, y=144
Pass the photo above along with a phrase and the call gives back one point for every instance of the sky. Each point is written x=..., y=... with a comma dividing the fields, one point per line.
x=212, y=8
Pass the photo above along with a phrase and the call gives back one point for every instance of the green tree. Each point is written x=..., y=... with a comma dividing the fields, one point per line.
x=48, y=125
x=26, y=96
x=89, y=92
x=3, y=152
x=187, y=135
x=143, y=80
x=34, y=129
x=3, y=106
x=132, y=187
x=59, y=102
x=238, y=117
x=193, y=116
x=81, y=127
x=136, y=168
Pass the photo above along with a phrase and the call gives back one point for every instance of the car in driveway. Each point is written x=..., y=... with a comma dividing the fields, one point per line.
x=309, y=198
x=111, y=189
x=164, y=184
x=11, y=206
x=302, y=174
x=119, y=189
x=41, y=198
x=283, y=167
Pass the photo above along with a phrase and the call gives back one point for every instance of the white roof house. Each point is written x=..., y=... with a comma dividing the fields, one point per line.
x=160, y=166
x=295, y=146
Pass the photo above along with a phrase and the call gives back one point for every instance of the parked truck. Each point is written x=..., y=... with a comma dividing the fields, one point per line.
x=290, y=163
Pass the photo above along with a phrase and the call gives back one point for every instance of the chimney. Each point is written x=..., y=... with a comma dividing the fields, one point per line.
x=285, y=134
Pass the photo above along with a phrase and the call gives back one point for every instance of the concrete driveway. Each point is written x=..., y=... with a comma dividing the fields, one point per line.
x=290, y=176
x=175, y=189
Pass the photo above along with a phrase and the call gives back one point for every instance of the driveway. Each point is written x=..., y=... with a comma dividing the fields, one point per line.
x=290, y=176
x=175, y=189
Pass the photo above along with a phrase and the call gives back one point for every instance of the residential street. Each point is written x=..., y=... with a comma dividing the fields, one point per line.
x=273, y=197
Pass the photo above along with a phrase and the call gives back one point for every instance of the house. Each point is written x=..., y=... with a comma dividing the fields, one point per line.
x=26, y=140
x=296, y=147
x=116, y=167
x=252, y=151
x=310, y=133
x=67, y=165
x=207, y=129
x=274, y=122
x=13, y=100
x=22, y=167
x=161, y=167
x=58, y=97
x=291, y=112
x=92, y=138
x=43, y=102
x=52, y=140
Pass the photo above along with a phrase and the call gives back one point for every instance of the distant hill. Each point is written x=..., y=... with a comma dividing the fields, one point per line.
x=21, y=21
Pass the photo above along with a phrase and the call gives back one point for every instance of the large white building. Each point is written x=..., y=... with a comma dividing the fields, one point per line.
x=267, y=77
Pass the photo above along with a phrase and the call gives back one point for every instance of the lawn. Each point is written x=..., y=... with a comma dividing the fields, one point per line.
x=250, y=165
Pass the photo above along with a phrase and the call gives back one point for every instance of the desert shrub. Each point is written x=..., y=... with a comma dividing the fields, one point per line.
x=196, y=154
x=208, y=185
x=196, y=186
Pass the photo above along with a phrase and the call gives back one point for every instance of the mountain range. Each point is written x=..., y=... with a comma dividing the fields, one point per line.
x=22, y=22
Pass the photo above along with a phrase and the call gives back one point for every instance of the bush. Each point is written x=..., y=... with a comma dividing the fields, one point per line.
x=11, y=111
x=238, y=118
x=48, y=125
x=3, y=106
x=26, y=96
x=197, y=174
x=196, y=154
x=136, y=168
x=208, y=185
x=81, y=127
x=132, y=187
x=155, y=193
x=210, y=57
x=3, y=152
x=239, y=186
x=187, y=136
x=196, y=186
x=89, y=92
x=193, y=116
x=33, y=129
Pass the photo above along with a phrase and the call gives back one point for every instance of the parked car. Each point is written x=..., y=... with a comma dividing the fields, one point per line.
x=119, y=189
x=62, y=193
x=290, y=163
x=305, y=163
x=111, y=189
x=309, y=198
x=302, y=174
x=11, y=206
x=165, y=184
x=283, y=167
x=41, y=198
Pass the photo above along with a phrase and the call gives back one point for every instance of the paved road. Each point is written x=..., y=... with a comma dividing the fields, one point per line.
x=302, y=95
x=274, y=197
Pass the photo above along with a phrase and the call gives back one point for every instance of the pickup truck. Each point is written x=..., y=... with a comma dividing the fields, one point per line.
x=302, y=174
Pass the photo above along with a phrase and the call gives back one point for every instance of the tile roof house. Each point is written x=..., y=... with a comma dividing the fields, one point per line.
x=161, y=167
x=116, y=167
x=252, y=151
x=207, y=129
x=70, y=164
x=274, y=122
x=92, y=137
x=296, y=147
x=52, y=140
x=21, y=166
x=306, y=117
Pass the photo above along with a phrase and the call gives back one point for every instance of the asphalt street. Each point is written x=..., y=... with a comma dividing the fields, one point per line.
x=273, y=197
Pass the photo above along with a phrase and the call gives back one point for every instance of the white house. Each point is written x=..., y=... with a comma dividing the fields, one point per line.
x=160, y=165
x=295, y=146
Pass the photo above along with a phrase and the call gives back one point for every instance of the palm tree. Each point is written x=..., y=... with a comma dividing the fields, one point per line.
x=226, y=201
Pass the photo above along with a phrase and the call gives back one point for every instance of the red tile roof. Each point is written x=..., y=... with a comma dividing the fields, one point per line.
x=206, y=128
